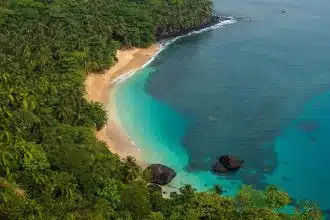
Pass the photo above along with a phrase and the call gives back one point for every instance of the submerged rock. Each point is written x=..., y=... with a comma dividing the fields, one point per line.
x=154, y=187
x=161, y=174
x=227, y=163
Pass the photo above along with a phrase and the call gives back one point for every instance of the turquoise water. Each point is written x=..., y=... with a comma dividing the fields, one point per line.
x=258, y=90
x=160, y=132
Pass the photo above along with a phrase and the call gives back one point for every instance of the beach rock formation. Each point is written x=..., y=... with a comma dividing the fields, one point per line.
x=227, y=163
x=161, y=174
x=154, y=187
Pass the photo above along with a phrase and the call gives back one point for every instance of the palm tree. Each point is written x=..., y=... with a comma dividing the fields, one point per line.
x=4, y=78
x=5, y=135
x=187, y=193
x=218, y=189
x=16, y=153
x=64, y=112
x=187, y=189
x=5, y=157
x=131, y=169
x=60, y=185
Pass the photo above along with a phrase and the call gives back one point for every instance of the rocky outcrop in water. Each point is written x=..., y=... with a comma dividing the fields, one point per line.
x=160, y=174
x=227, y=163
x=219, y=168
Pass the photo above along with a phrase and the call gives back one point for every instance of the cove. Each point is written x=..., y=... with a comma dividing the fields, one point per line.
x=258, y=90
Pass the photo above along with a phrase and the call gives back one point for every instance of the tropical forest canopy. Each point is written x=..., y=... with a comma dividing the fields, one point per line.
x=51, y=164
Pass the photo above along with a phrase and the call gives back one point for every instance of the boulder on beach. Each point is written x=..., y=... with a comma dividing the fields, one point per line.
x=227, y=163
x=153, y=187
x=160, y=174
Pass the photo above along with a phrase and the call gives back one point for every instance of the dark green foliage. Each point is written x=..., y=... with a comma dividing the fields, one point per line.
x=130, y=169
x=135, y=200
x=97, y=114
x=51, y=165
x=218, y=189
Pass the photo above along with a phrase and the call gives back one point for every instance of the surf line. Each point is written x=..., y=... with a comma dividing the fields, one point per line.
x=163, y=46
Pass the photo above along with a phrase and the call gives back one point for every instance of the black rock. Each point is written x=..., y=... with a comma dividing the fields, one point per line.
x=227, y=163
x=231, y=163
x=161, y=174
x=219, y=168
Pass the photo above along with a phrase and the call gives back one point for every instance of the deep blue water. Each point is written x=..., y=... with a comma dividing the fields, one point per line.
x=259, y=90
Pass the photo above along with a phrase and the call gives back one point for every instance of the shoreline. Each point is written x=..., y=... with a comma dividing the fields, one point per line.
x=100, y=87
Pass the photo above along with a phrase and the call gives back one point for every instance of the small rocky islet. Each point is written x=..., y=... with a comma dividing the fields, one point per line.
x=161, y=175
x=227, y=163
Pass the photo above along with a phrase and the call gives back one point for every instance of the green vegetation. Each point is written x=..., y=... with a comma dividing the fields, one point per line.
x=51, y=164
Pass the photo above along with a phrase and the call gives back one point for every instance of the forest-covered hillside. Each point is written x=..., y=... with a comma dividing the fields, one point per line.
x=51, y=164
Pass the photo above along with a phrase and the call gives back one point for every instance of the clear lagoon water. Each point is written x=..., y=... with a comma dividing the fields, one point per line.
x=256, y=89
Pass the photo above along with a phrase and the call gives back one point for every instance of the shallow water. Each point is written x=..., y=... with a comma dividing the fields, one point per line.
x=258, y=90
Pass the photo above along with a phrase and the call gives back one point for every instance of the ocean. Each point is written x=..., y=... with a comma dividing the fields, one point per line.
x=257, y=87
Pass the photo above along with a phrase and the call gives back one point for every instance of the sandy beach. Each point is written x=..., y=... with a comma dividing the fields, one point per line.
x=98, y=87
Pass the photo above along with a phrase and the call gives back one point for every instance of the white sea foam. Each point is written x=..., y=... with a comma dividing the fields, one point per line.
x=122, y=78
x=230, y=20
